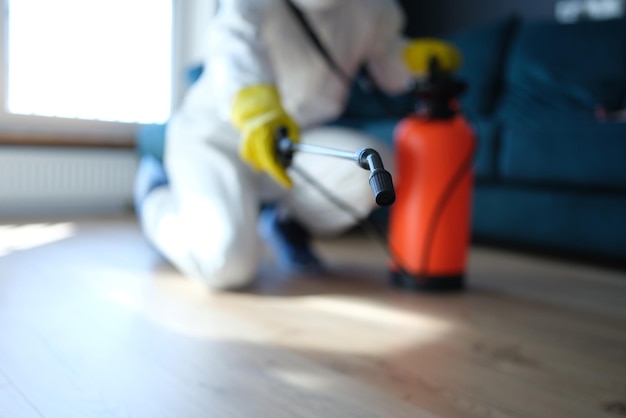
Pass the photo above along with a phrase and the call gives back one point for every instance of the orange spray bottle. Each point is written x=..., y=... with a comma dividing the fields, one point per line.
x=429, y=224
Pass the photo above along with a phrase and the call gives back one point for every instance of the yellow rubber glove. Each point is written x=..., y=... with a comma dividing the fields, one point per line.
x=418, y=53
x=258, y=115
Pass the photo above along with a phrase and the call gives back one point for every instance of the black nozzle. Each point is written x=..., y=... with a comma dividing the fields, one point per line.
x=380, y=179
x=381, y=184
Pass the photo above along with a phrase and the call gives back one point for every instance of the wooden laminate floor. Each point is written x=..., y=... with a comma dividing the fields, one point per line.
x=94, y=324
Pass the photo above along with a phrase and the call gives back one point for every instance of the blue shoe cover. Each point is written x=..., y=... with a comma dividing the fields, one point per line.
x=290, y=243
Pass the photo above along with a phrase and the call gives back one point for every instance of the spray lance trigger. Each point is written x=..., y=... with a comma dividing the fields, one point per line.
x=380, y=180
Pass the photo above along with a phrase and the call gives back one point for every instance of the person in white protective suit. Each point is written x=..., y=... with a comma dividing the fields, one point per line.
x=262, y=72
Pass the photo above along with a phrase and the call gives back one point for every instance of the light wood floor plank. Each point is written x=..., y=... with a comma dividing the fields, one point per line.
x=96, y=325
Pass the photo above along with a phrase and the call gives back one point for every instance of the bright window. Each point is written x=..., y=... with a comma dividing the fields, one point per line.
x=105, y=60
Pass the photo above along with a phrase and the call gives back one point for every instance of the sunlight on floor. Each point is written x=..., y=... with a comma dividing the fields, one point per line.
x=360, y=310
x=22, y=237
x=374, y=328
x=310, y=381
x=186, y=308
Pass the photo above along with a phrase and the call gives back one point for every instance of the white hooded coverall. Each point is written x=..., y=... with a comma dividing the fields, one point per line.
x=204, y=221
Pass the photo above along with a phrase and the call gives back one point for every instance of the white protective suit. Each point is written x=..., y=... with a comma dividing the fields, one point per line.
x=204, y=222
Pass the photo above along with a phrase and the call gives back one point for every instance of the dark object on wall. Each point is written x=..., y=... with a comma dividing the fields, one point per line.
x=443, y=17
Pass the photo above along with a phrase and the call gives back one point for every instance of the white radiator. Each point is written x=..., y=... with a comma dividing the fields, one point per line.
x=39, y=179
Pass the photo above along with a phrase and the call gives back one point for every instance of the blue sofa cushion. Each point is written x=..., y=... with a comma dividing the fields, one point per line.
x=484, y=50
x=565, y=70
x=581, y=222
x=576, y=153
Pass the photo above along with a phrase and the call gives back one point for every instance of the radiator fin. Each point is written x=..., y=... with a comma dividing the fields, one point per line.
x=38, y=177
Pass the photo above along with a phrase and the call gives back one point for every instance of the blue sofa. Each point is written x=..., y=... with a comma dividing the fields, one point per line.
x=550, y=176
